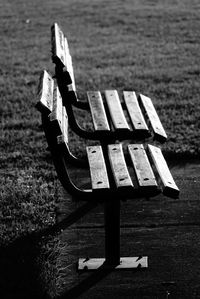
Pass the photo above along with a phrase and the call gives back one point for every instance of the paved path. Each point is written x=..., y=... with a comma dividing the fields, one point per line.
x=166, y=230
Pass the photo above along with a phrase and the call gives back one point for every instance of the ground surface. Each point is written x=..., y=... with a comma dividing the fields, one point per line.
x=166, y=230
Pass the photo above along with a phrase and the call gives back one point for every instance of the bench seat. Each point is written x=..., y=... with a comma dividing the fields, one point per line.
x=113, y=117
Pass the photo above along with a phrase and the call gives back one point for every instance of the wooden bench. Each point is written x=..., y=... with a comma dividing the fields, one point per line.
x=111, y=179
x=131, y=117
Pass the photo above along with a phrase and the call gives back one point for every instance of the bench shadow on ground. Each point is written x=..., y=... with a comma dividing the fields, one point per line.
x=19, y=272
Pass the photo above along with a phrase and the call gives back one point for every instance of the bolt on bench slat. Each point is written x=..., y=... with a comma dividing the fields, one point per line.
x=98, y=111
x=115, y=110
x=168, y=185
x=142, y=167
x=98, y=172
x=155, y=122
x=118, y=166
x=134, y=111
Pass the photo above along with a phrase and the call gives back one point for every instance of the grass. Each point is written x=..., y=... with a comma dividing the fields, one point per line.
x=151, y=47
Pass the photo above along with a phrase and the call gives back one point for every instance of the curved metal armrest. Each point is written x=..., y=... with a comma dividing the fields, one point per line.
x=64, y=177
x=61, y=164
x=102, y=136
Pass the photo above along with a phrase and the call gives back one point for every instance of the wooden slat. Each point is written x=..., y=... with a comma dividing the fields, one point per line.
x=142, y=167
x=115, y=109
x=56, y=113
x=134, y=111
x=45, y=93
x=56, y=116
x=118, y=166
x=98, y=172
x=61, y=54
x=65, y=125
x=98, y=111
x=68, y=63
x=58, y=44
x=168, y=185
x=64, y=137
x=155, y=122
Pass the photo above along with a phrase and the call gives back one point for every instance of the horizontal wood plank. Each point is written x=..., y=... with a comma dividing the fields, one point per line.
x=56, y=113
x=155, y=122
x=58, y=44
x=134, y=111
x=56, y=116
x=64, y=125
x=142, y=167
x=98, y=172
x=68, y=63
x=168, y=185
x=118, y=166
x=97, y=109
x=115, y=110
x=45, y=93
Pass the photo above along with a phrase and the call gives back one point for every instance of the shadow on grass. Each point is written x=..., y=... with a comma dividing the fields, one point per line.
x=87, y=283
x=19, y=269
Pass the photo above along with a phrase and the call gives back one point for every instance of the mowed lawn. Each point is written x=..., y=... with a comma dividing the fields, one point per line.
x=149, y=46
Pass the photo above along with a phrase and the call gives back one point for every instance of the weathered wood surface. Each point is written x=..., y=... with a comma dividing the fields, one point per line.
x=115, y=109
x=118, y=166
x=153, y=117
x=134, y=111
x=56, y=113
x=98, y=111
x=166, y=230
x=98, y=172
x=59, y=118
x=69, y=65
x=60, y=52
x=45, y=93
x=58, y=44
x=65, y=125
x=143, y=170
x=168, y=183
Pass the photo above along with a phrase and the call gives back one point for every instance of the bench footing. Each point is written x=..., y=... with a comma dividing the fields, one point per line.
x=125, y=263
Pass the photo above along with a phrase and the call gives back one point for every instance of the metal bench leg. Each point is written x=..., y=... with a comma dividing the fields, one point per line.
x=112, y=232
x=112, y=258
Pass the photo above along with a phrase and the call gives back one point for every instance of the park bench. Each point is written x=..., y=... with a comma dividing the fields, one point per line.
x=131, y=117
x=112, y=180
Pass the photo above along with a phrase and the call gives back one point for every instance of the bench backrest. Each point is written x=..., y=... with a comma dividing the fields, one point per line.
x=54, y=115
x=139, y=110
x=61, y=55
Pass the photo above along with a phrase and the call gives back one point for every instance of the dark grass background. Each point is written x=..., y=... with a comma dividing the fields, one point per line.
x=150, y=46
